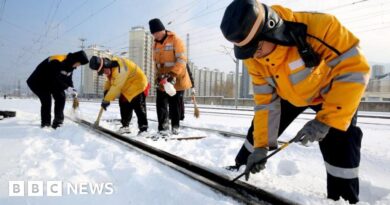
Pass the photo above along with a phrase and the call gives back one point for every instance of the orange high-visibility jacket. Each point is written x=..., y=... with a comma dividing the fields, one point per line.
x=128, y=79
x=169, y=58
x=338, y=82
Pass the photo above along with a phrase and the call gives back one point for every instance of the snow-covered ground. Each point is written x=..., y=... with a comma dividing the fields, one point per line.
x=75, y=155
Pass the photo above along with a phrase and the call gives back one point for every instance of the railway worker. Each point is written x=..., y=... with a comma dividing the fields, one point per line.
x=170, y=64
x=126, y=80
x=300, y=60
x=51, y=78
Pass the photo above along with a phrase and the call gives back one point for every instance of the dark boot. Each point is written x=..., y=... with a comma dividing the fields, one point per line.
x=57, y=123
x=43, y=125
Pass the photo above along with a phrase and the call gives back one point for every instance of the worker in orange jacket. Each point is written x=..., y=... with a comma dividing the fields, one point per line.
x=172, y=78
x=126, y=80
x=300, y=60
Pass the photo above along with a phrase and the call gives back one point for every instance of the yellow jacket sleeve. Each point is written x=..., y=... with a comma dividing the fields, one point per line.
x=118, y=79
x=267, y=109
x=347, y=89
x=107, y=85
x=350, y=73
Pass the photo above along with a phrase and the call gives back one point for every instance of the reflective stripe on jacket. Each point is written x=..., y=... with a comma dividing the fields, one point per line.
x=338, y=82
x=169, y=57
x=127, y=79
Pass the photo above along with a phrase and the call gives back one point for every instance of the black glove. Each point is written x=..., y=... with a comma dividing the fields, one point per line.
x=105, y=104
x=256, y=161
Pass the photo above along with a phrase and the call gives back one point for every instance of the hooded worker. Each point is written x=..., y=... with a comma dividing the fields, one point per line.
x=51, y=78
x=300, y=60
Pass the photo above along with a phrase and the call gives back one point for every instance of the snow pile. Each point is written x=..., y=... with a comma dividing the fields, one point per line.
x=75, y=156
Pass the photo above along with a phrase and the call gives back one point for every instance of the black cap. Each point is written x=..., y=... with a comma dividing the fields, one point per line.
x=95, y=63
x=79, y=56
x=246, y=22
x=155, y=25
x=238, y=21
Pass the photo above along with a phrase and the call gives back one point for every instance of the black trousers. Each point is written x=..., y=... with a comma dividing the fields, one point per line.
x=137, y=104
x=174, y=103
x=340, y=150
x=182, y=108
x=44, y=95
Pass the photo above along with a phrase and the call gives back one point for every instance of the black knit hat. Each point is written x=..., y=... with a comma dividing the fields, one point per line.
x=156, y=25
x=79, y=56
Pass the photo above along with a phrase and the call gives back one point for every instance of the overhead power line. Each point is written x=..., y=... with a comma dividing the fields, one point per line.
x=2, y=8
x=70, y=14
x=69, y=30
x=345, y=5
x=200, y=15
x=90, y=16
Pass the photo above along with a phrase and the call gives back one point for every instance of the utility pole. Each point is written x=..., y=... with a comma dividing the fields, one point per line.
x=237, y=71
x=188, y=47
x=187, y=93
x=227, y=51
x=82, y=67
x=19, y=89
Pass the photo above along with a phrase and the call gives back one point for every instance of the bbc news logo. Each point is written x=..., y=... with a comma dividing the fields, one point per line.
x=57, y=188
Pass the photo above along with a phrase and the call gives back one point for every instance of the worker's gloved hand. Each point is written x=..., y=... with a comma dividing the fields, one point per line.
x=72, y=92
x=168, y=87
x=193, y=91
x=313, y=130
x=105, y=104
x=255, y=162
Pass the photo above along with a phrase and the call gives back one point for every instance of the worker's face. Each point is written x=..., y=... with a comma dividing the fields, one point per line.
x=107, y=71
x=264, y=49
x=76, y=65
x=159, y=35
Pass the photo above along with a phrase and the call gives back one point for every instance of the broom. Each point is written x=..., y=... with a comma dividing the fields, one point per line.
x=196, y=109
x=75, y=103
x=96, y=124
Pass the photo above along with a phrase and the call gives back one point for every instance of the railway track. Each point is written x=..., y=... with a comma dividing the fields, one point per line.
x=205, y=110
x=221, y=132
x=189, y=109
x=239, y=190
x=302, y=118
x=227, y=133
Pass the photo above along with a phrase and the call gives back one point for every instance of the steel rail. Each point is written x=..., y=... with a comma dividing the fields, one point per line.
x=239, y=190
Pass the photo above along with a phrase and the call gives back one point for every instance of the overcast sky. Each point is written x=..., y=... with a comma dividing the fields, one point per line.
x=32, y=30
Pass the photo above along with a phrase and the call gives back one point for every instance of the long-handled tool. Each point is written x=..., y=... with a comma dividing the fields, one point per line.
x=265, y=158
x=96, y=124
x=196, y=109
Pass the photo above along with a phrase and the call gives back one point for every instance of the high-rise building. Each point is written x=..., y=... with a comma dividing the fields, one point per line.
x=196, y=74
x=229, y=89
x=141, y=52
x=91, y=83
x=219, y=85
x=246, y=85
x=378, y=71
x=208, y=73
